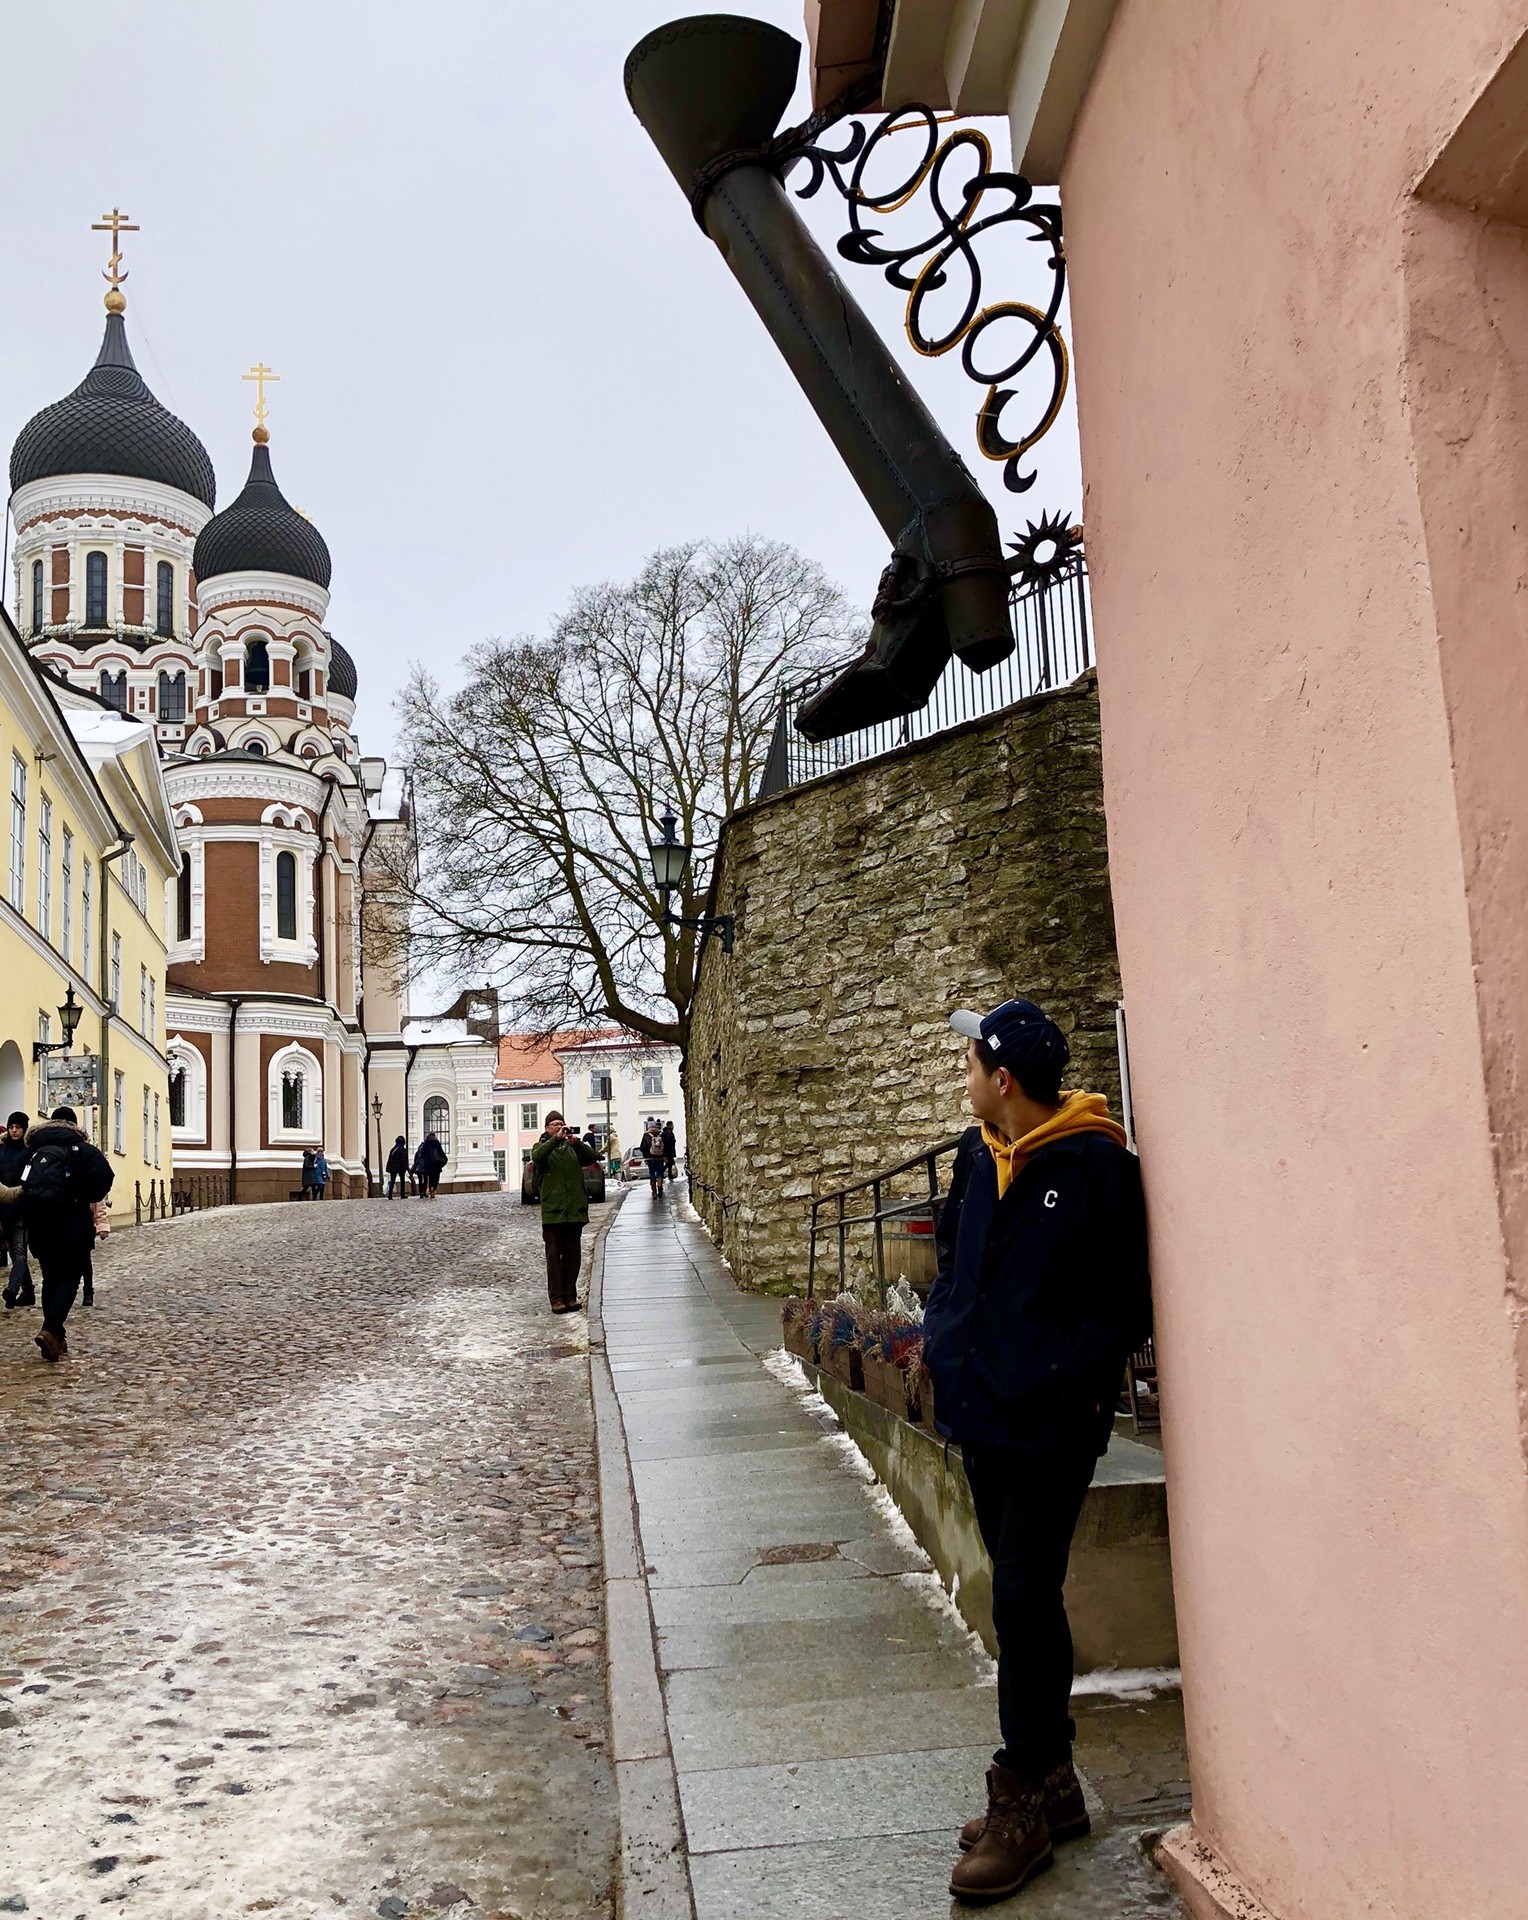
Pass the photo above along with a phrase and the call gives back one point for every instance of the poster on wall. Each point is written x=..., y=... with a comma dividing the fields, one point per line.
x=71, y=1080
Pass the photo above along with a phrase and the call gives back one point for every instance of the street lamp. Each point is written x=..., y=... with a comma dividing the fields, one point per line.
x=68, y=1018
x=376, y=1114
x=671, y=864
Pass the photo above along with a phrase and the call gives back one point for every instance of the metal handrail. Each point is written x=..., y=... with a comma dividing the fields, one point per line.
x=1053, y=646
x=925, y=1207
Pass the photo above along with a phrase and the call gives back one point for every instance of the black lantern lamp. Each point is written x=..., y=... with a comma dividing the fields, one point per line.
x=671, y=865
x=69, y=1015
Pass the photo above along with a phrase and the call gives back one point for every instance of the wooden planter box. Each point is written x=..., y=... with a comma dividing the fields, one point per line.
x=846, y=1364
x=883, y=1383
x=795, y=1339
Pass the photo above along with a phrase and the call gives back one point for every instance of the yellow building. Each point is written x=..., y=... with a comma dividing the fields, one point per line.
x=91, y=852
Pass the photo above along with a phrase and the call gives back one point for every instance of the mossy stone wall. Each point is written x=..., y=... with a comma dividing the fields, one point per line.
x=869, y=903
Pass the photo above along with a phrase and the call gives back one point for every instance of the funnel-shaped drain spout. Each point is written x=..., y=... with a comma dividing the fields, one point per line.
x=711, y=91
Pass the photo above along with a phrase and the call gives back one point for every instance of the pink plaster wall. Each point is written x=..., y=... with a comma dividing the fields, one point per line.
x=1303, y=397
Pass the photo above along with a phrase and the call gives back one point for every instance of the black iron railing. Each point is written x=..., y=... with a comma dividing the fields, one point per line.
x=909, y=1217
x=1053, y=644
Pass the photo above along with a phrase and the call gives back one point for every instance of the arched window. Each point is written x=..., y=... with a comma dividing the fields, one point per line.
x=257, y=668
x=164, y=598
x=114, y=688
x=256, y=747
x=172, y=697
x=95, y=589
x=37, y=603
x=437, y=1119
x=178, y=1077
x=293, y=1089
x=286, y=897
x=183, y=910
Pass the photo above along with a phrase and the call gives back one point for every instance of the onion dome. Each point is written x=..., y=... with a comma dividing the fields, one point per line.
x=260, y=533
x=341, y=671
x=111, y=423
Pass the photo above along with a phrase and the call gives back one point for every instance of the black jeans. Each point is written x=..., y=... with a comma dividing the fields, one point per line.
x=1027, y=1506
x=63, y=1267
x=19, y=1280
x=564, y=1256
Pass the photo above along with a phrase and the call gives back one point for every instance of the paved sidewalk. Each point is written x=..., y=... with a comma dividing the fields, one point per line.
x=828, y=1715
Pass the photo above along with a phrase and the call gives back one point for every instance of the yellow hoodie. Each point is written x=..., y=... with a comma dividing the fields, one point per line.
x=1078, y=1113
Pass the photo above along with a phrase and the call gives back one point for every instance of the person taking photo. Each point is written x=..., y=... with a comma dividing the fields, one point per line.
x=1042, y=1292
x=559, y=1160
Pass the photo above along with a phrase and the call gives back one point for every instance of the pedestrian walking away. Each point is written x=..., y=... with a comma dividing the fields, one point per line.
x=63, y=1199
x=13, y=1158
x=1042, y=1292
x=320, y=1174
x=559, y=1160
x=670, y=1149
x=429, y=1161
x=398, y=1168
x=651, y=1150
x=309, y=1166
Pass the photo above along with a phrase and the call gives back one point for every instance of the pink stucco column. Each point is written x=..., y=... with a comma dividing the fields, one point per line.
x=1300, y=300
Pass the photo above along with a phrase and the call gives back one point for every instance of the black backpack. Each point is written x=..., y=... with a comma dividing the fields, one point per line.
x=47, y=1179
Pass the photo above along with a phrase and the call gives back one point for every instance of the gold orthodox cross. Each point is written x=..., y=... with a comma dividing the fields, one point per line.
x=262, y=376
x=116, y=223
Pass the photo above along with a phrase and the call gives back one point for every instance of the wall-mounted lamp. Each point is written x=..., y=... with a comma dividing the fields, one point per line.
x=69, y=1015
x=671, y=863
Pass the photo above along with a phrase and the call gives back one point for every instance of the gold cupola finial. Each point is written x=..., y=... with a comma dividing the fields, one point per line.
x=262, y=376
x=116, y=223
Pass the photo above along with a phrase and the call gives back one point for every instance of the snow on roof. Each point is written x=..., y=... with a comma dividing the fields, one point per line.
x=102, y=735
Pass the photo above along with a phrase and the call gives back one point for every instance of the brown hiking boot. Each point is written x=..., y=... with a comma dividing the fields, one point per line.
x=50, y=1346
x=1066, y=1812
x=1015, y=1841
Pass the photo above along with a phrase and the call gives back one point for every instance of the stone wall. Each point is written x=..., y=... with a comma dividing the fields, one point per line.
x=869, y=903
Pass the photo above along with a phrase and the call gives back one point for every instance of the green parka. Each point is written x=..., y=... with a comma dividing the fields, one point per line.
x=561, y=1163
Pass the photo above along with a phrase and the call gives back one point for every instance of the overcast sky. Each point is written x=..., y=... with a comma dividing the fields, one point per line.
x=510, y=362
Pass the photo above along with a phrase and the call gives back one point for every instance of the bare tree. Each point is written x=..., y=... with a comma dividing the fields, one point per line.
x=539, y=786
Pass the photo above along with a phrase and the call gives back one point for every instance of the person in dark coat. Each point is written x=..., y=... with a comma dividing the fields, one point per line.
x=65, y=1181
x=320, y=1173
x=429, y=1163
x=1043, y=1291
x=559, y=1159
x=309, y=1173
x=670, y=1142
x=13, y=1157
x=398, y=1167
x=651, y=1150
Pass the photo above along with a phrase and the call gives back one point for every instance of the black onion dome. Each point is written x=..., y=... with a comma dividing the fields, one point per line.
x=260, y=533
x=111, y=423
x=341, y=671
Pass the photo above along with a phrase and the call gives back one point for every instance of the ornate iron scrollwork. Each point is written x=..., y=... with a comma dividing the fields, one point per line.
x=928, y=261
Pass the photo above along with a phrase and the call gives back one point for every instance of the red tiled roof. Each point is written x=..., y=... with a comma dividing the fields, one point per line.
x=531, y=1057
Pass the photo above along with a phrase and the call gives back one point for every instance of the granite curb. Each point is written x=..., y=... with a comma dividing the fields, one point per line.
x=654, y=1872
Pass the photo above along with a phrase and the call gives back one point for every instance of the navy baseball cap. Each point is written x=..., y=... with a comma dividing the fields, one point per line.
x=1018, y=1033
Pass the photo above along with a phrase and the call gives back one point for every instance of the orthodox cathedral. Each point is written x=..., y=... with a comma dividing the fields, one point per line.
x=282, y=1032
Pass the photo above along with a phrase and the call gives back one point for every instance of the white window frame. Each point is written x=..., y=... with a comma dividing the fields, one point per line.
x=66, y=904
x=147, y=1091
x=45, y=867
x=276, y=838
x=181, y=1053
x=156, y=1129
x=533, y=1108
x=86, y=903
x=424, y=1125
x=143, y=1004
x=18, y=833
x=153, y=1029
x=116, y=971
x=297, y=1059
x=118, y=1111
x=652, y=1084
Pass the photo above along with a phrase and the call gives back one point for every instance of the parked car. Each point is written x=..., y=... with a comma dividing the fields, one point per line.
x=634, y=1167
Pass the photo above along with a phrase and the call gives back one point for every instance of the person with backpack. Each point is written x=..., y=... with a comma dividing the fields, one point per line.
x=320, y=1174
x=429, y=1164
x=651, y=1151
x=558, y=1160
x=13, y=1158
x=398, y=1168
x=1043, y=1290
x=63, y=1190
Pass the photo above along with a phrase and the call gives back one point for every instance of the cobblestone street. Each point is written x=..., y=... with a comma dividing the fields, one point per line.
x=299, y=1577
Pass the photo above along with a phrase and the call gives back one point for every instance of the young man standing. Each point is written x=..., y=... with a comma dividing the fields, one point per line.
x=1043, y=1290
x=559, y=1160
x=13, y=1157
x=64, y=1180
